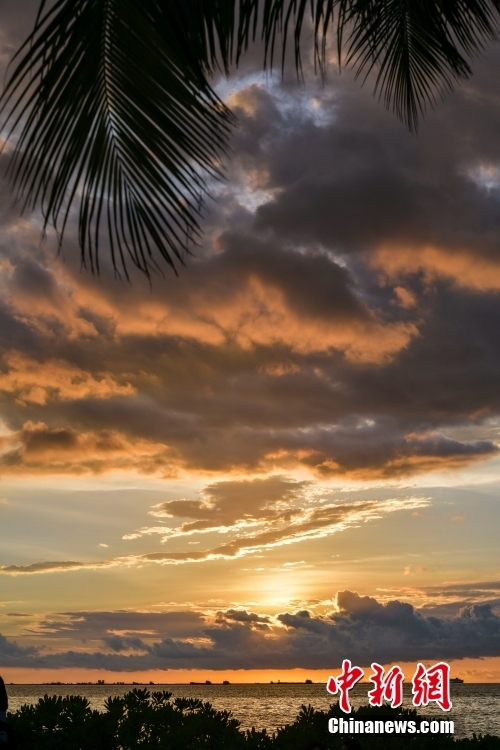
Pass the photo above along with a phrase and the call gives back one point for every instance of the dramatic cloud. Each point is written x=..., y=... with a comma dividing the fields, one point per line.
x=340, y=316
x=338, y=323
x=230, y=506
x=256, y=515
x=39, y=449
x=38, y=382
x=9, y=650
x=360, y=628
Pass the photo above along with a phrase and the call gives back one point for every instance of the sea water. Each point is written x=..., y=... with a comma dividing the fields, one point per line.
x=476, y=707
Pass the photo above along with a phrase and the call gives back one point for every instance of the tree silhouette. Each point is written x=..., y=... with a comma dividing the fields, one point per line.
x=117, y=116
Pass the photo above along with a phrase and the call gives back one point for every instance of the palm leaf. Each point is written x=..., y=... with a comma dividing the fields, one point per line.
x=417, y=47
x=117, y=116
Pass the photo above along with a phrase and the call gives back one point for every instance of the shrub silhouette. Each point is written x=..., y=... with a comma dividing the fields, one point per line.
x=144, y=720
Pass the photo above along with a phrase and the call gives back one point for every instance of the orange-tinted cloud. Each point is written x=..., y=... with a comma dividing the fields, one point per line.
x=246, y=306
x=39, y=449
x=38, y=382
x=465, y=268
x=304, y=332
x=253, y=515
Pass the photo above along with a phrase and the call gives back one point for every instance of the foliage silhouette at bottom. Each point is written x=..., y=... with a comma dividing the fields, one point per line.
x=153, y=720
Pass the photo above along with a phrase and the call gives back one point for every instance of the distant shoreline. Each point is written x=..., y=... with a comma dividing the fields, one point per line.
x=151, y=684
x=187, y=684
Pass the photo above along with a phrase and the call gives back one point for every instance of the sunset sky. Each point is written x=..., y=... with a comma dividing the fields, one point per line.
x=288, y=455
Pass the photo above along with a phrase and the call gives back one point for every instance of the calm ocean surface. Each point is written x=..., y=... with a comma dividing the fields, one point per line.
x=476, y=708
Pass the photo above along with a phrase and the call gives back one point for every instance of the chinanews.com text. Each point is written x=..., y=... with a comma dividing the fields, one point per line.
x=387, y=725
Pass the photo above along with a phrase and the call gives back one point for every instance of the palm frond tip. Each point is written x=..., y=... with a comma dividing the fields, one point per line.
x=115, y=119
x=117, y=116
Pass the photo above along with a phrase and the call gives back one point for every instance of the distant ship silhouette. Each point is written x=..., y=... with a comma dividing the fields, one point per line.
x=456, y=680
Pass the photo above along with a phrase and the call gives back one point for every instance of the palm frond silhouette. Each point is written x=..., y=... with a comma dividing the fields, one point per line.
x=117, y=117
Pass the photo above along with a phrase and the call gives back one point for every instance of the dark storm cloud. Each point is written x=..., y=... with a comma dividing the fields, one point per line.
x=374, y=444
x=362, y=179
x=238, y=615
x=361, y=629
x=10, y=650
x=348, y=324
x=121, y=643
